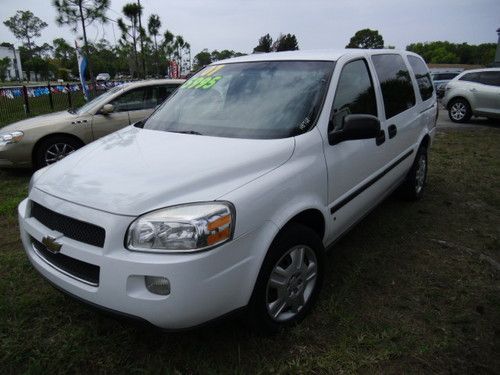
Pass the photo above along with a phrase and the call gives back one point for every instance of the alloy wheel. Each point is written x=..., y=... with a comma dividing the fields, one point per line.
x=57, y=152
x=458, y=111
x=291, y=283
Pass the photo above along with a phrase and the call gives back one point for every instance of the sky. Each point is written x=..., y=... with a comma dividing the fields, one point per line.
x=318, y=24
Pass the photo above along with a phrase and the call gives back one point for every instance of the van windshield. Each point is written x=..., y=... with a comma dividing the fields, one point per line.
x=271, y=99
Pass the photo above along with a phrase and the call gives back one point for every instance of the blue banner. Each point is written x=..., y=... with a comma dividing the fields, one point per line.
x=82, y=68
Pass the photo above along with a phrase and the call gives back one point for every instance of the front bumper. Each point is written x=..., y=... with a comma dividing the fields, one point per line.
x=16, y=155
x=204, y=285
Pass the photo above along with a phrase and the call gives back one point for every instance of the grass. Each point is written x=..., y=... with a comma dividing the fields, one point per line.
x=395, y=300
x=12, y=110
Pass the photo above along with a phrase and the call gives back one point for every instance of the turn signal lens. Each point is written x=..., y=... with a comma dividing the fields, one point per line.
x=157, y=285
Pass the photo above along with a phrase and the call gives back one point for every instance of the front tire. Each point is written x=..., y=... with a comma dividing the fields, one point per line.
x=289, y=281
x=459, y=111
x=53, y=149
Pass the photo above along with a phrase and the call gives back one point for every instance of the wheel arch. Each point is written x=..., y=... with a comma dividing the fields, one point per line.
x=455, y=98
x=48, y=136
x=426, y=141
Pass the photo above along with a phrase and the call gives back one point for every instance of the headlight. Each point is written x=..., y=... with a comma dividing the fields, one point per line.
x=8, y=138
x=185, y=228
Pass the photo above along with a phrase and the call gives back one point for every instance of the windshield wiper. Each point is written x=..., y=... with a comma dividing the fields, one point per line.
x=186, y=132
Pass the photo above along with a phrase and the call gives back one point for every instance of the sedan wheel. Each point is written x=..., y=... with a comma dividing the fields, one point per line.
x=54, y=148
x=57, y=152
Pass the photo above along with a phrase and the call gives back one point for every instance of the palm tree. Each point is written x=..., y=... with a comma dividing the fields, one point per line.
x=132, y=11
x=154, y=25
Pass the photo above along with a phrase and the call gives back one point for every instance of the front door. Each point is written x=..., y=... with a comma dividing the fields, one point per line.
x=105, y=124
x=352, y=165
x=130, y=107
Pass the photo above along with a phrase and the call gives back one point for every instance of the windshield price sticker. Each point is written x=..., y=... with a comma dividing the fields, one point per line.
x=201, y=82
x=205, y=80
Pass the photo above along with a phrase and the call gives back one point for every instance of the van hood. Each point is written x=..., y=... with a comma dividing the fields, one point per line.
x=134, y=170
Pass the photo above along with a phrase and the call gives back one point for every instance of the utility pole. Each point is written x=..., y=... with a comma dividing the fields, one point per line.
x=142, y=42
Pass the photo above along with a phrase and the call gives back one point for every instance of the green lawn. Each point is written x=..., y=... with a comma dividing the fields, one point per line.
x=395, y=299
x=12, y=110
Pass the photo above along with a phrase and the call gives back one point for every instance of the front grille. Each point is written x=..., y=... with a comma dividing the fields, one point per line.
x=72, y=267
x=75, y=229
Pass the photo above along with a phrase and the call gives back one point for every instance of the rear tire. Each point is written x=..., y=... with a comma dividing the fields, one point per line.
x=53, y=149
x=459, y=111
x=289, y=281
x=413, y=187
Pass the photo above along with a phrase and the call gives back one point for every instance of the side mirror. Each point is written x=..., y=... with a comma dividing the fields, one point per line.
x=107, y=109
x=355, y=127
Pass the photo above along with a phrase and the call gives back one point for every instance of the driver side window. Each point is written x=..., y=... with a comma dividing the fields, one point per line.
x=354, y=94
x=132, y=100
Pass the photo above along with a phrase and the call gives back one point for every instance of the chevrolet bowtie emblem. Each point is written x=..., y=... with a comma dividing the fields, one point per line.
x=51, y=244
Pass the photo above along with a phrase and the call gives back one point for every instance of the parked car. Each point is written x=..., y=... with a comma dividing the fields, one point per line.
x=473, y=93
x=440, y=77
x=43, y=140
x=227, y=197
x=103, y=77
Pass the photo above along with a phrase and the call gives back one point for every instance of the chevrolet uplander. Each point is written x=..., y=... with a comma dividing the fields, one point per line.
x=227, y=197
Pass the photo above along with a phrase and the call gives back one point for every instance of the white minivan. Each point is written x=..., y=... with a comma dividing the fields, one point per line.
x=228, y=195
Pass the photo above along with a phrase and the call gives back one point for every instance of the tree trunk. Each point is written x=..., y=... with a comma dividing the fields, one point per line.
x=135, y=54
x=86, y=49
x=157, y=58
x=142, y=44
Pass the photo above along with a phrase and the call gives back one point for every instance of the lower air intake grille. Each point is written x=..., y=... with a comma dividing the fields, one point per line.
x=83, y=271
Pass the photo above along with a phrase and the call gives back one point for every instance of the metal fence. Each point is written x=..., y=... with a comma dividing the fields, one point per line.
x=20, y=102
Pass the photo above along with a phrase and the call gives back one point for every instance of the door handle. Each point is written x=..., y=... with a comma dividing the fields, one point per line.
x=380, y=138
x=392, y=130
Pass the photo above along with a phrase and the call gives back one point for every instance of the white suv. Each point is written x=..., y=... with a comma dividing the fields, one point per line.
x=228, y=196
x=473, y=93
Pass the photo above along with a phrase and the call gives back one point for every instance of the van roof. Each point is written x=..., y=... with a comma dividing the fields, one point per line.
x=322, y=55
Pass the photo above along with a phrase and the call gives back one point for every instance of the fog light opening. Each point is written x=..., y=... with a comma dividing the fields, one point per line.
x=157, y=285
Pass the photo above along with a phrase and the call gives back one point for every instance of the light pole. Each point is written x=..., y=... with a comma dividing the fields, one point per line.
x=497, y=55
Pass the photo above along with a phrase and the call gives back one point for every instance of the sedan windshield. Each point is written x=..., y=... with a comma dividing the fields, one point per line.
x=271, y=99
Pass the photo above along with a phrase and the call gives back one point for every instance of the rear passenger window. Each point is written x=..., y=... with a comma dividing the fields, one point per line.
x=395, y=83
x=354, y=94
x=490, y=78
x=422, y=76
x=470, y=77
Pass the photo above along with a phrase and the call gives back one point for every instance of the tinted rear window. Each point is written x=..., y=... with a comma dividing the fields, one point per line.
x=422, y=76
x=443, y=76
x=395, y=83
x=490, y=78
x=470, y=77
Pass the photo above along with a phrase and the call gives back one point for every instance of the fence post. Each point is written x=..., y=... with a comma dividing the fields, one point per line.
x=69, y=95
x=51, y=102
x=26, y=101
